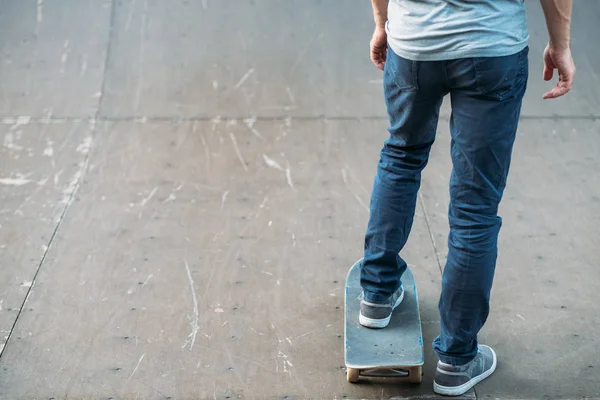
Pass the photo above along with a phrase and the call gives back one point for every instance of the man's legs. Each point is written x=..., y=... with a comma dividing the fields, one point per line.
x=486, y=102
x=413, y=92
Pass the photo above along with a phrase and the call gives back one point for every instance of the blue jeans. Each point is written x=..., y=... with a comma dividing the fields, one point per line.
x=486, y=96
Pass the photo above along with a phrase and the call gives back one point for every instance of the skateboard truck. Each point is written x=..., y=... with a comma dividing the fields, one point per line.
x=412, y=375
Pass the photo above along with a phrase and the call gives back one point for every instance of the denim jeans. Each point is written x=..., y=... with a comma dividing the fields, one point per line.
x=486, y=96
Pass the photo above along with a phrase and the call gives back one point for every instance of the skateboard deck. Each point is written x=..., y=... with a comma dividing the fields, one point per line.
x=394, y=351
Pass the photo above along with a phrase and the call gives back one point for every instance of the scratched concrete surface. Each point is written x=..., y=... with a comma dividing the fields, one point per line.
x=52, y=56
x=184, y=186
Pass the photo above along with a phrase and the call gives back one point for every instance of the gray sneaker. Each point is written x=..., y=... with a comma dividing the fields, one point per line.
x=378, y=315
x=455, y=380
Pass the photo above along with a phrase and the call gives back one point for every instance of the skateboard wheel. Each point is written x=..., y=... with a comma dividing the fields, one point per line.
x=415, y=375
x=352, y=375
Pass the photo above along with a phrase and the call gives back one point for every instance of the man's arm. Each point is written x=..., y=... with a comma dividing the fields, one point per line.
x=379, y=39
x=558, y=20
x=380, y=8
x=558, y=52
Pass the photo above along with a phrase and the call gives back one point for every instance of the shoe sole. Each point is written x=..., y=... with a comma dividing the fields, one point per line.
x=379, y=323
x=462, y=389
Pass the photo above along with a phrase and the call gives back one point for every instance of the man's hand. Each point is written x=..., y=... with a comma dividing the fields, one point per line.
x=561, y=60
x=379, y=47
x=558, y=52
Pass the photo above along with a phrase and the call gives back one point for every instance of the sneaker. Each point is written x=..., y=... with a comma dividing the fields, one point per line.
x=378, y=315
x=456, y=380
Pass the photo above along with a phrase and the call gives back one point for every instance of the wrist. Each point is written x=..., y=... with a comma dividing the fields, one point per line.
x=380, y=26
x=559, y=45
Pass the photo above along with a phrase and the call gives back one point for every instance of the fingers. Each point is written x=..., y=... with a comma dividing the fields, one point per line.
x=379, y=63
x=554, y=93
x=378, y=56
x=566, y=75
x=561, y=89
x=548, y=72
x=382, y=59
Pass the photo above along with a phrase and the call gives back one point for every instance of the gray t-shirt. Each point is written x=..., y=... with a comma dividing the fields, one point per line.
x=433, y=30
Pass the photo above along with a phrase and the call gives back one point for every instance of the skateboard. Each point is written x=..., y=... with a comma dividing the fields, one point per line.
x=395, y=351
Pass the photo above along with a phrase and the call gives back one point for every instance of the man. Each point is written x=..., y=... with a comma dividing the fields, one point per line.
x=476, y=51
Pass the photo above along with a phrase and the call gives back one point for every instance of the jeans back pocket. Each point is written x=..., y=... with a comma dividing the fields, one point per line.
x=499, y=77
x=401, y=72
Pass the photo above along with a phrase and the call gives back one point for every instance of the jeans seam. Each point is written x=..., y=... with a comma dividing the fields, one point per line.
x=476, y=67
x=415, y=74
